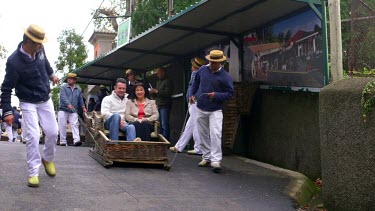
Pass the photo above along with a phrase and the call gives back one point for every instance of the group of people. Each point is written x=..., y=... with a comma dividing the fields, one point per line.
x=128, y=108
x=133, y=106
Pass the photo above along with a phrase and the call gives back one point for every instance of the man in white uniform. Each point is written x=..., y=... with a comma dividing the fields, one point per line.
x=70, y=102
x=29, y=72
x=191, y=129
x=212, y=86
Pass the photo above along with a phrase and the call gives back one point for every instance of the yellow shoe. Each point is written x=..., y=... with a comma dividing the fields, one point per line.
x=50, y=168
x=33, y=182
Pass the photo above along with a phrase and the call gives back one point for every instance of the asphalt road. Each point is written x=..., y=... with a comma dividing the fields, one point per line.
x=83, y=184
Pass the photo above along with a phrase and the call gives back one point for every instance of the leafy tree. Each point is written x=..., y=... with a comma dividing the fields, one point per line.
x=3, y=52
x=288, y=35
x=281, y=37
x=357, y=35
x=147, y=14
x=55, y=96
x=180, y=5
x=117, y=8
x=345, y=32
x=317, y=28
x=72, y=55
x=73, y=52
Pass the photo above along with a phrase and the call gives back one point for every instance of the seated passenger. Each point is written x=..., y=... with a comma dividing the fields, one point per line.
x=141, y=111
x=113, y=111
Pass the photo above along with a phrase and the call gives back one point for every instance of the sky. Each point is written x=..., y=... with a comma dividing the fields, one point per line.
x=52, y=16
x=305, y=21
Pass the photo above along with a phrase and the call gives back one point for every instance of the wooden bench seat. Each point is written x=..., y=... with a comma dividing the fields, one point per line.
x=94, y=121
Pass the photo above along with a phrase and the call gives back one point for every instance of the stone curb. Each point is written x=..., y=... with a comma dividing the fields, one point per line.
x=300, y=188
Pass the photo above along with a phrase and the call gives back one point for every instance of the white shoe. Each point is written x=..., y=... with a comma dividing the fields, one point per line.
x=193, y=152
x=154, y=135
x=137, y=139
x=203, y=163
x=215, y=166
x=174, y=149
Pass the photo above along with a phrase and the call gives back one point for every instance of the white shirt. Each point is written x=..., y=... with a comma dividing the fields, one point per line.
x=24, y=52
x=113, y=104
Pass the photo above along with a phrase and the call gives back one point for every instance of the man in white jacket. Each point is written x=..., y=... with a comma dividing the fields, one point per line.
x=113, y=111
x=191, y=129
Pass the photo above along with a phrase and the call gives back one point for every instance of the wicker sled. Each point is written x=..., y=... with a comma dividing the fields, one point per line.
x=107, y=151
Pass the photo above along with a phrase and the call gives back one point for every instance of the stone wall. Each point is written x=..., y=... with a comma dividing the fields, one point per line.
x=283, y=130
x=347, y=147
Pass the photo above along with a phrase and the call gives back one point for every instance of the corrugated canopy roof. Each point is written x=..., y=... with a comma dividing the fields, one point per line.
x=199, y=26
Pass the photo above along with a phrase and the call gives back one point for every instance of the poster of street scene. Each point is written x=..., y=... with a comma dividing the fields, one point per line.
x=286, y=53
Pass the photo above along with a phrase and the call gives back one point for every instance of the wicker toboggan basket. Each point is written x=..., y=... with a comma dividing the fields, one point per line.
x=107, y=151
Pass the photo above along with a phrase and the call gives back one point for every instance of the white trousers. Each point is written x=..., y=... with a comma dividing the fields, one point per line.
x=191, y=131
x=210, y=127
x=11, y=132
x=63, y=117
x=31, y=134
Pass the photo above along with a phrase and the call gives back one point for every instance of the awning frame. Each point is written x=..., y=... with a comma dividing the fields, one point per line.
x=236, y=38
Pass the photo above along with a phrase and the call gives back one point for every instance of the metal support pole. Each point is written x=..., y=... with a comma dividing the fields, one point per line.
x=325, y=43
x=312, y=4
x=170, y=8
x=335, y=39
x=128, y=8
x=144, y=77
x=186, y=79
x=241, y=59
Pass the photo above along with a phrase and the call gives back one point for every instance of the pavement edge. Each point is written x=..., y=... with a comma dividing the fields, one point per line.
x=300, y=187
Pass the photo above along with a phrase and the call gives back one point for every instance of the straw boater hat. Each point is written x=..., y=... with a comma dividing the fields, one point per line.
x=128, y=72
x=216, y=56
x=72, y=75
x=197, y=62
x=36, y=34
